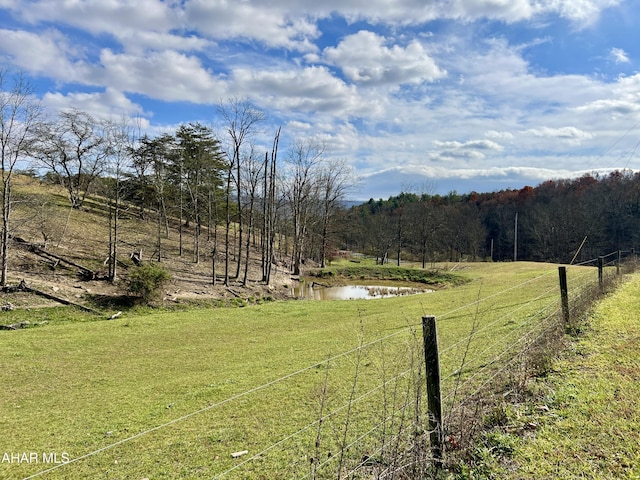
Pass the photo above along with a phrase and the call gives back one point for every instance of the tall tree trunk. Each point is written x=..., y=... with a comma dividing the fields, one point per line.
x=196, y=219
x=240, y=215
x=116, y=213
x=248, y=242
x=6, y=210
x=265, y=231
x=325, y=229
x=227, y=243
x=214, y=250
x=159, y=235
x=181, y=215
x=269, y=210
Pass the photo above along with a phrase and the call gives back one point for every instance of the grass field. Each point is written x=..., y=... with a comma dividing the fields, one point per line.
x=588, y=420
x=205, y=383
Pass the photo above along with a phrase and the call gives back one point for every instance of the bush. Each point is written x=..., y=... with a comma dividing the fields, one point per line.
x=147, y=280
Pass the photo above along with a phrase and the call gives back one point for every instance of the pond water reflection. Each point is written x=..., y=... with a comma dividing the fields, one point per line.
x=315, y=291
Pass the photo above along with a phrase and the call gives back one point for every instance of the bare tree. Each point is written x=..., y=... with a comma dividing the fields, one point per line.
x=335, y=180
x=19, y=117
x=74, y=149
x=119, y=146
x=241, y=118
x=304, y=161
x=269, y=210
x=254, y=172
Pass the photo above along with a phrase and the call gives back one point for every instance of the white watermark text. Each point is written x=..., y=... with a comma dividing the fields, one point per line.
x=35, y=458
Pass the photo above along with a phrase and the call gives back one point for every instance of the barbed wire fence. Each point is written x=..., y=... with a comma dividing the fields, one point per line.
x=366, y=412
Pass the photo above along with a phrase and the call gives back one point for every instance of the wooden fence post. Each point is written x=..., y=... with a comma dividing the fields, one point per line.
x=618, y=260
x=564, y=295
x=432, y=366
x=600, y=271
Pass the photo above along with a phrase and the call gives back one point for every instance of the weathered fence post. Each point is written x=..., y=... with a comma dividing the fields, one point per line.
x=564, y=295
x=618, y=259
x=600, y=271
x=432, y=366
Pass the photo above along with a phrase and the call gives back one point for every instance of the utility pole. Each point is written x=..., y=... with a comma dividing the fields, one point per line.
x=515, y=240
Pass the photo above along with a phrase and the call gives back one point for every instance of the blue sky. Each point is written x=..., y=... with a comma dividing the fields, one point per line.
x=423, y=96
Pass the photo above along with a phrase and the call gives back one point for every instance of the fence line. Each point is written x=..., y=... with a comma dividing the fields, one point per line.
x=504, y=352
x=493, y=295
x=504, y=367
x=491, y=363
x=501, y=340
x=312, y=424
x=499, y=319
x=217, y=404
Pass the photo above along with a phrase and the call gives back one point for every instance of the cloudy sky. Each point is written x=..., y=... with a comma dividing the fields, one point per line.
x=418, y=95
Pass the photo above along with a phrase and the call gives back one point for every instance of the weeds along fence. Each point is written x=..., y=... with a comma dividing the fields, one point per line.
x=493, y=372
x=369, y=412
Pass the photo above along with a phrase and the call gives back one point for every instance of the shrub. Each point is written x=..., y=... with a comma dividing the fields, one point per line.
x=147, y=280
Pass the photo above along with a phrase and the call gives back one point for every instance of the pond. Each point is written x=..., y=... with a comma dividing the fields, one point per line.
x=316, y=291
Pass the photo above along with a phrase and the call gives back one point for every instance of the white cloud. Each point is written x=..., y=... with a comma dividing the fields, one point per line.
x=611, y=107
x=109, y=104
x=615, y=101
x=499, y=135
x=468, y=145
x=570, y=134
x=296, y=125
x=279, y=23
x=619, y=55
x=453, y=150
x=275, y=24
x=584, y=12
x=115, y=17
x=377, y=98
x=310, y=89
x=139, y=41
x=47, y=54
x=365, y=58
x=167, y=75
x=412, y=12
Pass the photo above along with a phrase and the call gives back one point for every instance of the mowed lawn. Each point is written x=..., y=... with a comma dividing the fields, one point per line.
x=194, y=387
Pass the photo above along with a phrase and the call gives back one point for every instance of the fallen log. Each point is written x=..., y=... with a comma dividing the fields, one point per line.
x=86, y=272
x=23, y=324
x=25, y=288
x=237, y=295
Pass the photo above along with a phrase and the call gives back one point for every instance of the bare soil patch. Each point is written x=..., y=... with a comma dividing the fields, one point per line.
x=81, y=237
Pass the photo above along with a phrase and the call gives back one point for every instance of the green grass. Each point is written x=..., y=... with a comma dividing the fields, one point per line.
x=588, y=423
x=79, y=386
x=386, y=273
x=46, y=316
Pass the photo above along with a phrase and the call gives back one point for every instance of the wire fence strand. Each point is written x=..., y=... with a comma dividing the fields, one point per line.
x=485, y=366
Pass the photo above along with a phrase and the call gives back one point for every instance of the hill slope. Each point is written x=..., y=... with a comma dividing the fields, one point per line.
x=42, y=216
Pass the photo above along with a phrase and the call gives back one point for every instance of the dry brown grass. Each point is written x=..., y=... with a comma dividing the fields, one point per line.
x=43, y=216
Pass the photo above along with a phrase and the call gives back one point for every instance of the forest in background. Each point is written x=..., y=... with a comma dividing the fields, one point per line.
x=233, y=198
x=233, y=201
x=559, y=221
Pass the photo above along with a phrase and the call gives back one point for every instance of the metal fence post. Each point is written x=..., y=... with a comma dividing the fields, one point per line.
x=432, y=366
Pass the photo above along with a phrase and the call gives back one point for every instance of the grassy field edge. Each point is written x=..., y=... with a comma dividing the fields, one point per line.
x=585, y=419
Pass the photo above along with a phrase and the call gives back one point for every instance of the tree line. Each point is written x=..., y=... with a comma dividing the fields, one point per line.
x=231, y=199
x=561, y=221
